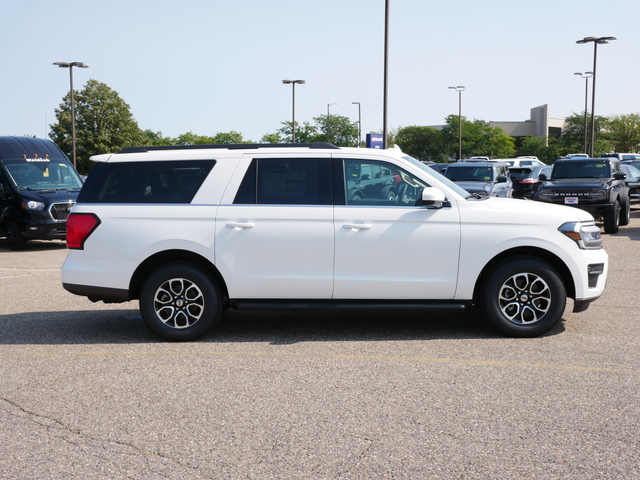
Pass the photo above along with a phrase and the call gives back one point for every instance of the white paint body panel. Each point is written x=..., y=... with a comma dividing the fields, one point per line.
x=325, y=252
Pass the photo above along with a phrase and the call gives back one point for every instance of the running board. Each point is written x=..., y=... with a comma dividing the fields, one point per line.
x=382, y=305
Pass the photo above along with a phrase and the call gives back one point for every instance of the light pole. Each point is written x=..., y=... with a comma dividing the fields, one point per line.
x=73, y=107
x=359, y=123
x=596, y=41
x=293, y=105
x=459, y=89
x=329, y=122
x=385, y=88
x=586, y=76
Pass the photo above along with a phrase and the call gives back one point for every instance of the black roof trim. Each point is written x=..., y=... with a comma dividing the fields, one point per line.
x=235, y=146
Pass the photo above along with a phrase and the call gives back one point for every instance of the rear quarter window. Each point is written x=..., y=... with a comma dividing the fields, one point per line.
x=146, y=182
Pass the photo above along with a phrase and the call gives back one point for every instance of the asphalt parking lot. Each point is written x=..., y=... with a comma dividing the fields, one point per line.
x=88, y=392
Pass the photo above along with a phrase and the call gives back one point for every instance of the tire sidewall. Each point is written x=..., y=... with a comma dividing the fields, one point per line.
x=15, y=240
x=212, y=308
x=612, y=218
x=499, y=275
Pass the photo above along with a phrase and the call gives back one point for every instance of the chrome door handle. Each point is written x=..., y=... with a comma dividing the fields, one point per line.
x=357, y=226
x=239, y=225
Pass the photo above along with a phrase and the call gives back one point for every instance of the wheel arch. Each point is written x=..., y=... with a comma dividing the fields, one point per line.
x=532, y=252
x=174, y=256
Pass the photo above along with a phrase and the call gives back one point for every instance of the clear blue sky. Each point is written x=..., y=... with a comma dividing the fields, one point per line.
x=209, y=66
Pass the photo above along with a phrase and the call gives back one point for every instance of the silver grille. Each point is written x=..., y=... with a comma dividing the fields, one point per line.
x=60, y=211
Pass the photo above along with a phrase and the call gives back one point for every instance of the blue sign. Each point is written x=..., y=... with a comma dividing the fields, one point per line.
x=375, y=140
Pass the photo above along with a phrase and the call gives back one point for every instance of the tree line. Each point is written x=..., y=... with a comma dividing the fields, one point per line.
x=104, y=124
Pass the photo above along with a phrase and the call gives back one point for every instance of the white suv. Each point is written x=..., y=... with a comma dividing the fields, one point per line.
x=190, y=231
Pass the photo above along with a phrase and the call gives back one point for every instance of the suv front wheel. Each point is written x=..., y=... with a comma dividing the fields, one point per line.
x=612, y=218
x=523, y=297
x=179, y=302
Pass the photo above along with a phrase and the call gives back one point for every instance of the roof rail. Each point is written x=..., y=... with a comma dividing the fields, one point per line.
x=234, y=146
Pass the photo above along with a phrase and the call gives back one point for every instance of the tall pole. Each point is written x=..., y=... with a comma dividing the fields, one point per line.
x=385, y=127
x=586, y=76
x=459, y=89
x=359, y=123
x=596, y=41
x=293, y=106
x=73, y=106
x=329, y=122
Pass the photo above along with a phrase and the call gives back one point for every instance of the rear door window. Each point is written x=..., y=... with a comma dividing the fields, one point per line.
x=148, y=182
x=286, y=181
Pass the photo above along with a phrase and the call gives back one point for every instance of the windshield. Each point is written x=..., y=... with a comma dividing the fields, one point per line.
x=441, y=178
x=470, y=174
x=53, y=175
x=593, y=169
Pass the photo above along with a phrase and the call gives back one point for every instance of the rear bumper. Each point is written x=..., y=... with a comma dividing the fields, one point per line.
x=97, y=294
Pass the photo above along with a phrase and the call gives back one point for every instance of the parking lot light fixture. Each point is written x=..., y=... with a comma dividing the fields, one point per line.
x=359, y=122
x=329, y=122
x=596, y=41
x=70, y=66
x=459, y=89
x=293, y=105
x=586, y=76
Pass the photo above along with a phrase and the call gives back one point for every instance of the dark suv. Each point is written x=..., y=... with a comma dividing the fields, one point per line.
x=489, y=179
x=596, y=185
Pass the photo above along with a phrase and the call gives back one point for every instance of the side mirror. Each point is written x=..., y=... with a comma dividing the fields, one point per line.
x=620, y=176
x=542, y=177
x=366, y=176
x=433, y=197
x=501, y=179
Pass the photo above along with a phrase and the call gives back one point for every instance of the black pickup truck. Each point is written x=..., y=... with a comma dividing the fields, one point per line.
x=596, y=185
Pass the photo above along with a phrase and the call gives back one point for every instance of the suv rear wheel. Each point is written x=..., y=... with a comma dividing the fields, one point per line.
x=179, y=302
x=523, y=297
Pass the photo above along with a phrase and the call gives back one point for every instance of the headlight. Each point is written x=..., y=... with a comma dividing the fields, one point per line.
x=33, y=205
x=585, y=234
x=601, y=194
x=544, y=194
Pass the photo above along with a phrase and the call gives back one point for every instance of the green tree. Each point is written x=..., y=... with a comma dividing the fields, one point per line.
x=306, y=133
x=423, y=143
x=272, y=138
x=228, y=138
x=478, y=139
x=156, y=138
x=545, y=148
x=624, y=133
x=572, y=140
x=104, y=124
x=338, y=130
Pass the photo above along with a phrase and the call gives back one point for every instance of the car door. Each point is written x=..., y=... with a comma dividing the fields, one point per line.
x=274, y=238
x=394, y=248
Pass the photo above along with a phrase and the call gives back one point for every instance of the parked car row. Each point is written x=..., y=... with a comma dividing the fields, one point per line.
x=606, y=187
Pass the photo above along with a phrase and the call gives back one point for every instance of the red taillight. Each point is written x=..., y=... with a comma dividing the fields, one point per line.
x=79, y=227
x=529, y=180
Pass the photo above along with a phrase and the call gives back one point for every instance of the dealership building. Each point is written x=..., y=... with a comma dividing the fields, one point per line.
x=538, y=125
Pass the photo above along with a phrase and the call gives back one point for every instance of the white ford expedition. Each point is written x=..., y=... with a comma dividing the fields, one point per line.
x=193, y=230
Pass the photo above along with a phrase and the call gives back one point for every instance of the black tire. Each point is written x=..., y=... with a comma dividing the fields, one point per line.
x=180, y=303
x=523, y=297
x=612, y=218
x=14, y=239
x=625, y=212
